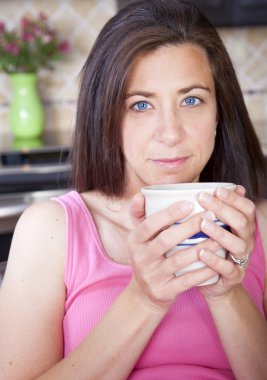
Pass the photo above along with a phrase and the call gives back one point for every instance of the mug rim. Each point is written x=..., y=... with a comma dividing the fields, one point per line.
x=191, y=186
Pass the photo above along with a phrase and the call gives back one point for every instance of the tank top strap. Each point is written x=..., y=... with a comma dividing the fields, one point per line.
x=81, y=238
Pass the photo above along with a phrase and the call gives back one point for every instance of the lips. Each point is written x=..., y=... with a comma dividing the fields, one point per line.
x=170, y=162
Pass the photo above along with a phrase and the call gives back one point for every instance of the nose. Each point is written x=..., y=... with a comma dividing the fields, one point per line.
x=170, y=129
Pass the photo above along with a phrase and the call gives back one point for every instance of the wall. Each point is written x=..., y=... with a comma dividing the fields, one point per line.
x=80, y=21
x=248, y=50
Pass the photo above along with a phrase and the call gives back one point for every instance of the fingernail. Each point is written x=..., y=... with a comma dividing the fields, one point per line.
x=204, y=255
x=243, y=190
x=207, y=225
x=138, y=197
x=215, y=244
x=204, y=197
x=209, y=215
x=222, y=192
x=186, y=206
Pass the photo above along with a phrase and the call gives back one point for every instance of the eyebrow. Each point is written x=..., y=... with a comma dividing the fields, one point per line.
x=184, y=90
x=194, y=87
x=140, y=93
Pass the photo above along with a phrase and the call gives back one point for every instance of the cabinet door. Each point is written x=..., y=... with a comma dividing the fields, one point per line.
x=218, y=11
x=252, y=3
x=228, y=12
x=235, y=12
x=250, y=12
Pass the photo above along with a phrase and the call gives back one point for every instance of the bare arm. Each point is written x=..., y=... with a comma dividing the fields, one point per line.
x=243, y=333
x=32, y=311
x=241, y=327
x=32, y=295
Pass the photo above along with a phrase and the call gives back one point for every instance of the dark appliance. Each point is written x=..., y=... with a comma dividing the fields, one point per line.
x=30, y=172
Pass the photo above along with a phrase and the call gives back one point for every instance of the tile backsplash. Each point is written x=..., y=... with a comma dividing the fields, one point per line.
x=79, y=21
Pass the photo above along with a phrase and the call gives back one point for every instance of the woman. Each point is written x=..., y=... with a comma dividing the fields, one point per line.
x=88, y=292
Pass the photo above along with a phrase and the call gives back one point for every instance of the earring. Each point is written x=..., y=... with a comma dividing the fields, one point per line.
x=215, y=132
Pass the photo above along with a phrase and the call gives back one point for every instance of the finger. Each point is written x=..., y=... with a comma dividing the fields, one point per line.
x=167, y=239
x=226, y=239
x=231, y=213
x=182, y=258
x=234, y=199
x=191, y=279
x=237, y=200
x=232, y=273
x=137, y=209
x=154, y=224
x=240, y=190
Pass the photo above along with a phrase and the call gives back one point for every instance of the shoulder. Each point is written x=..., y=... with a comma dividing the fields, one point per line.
x=43, y=211
x=41, y=219
x=38, y=243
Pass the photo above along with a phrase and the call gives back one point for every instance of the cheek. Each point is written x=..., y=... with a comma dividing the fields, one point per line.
x=132, y=144
x=204, y=128
x=204, y=142
x=126, y=137
x=208, y=138
x=135, y=134
x=208, y=145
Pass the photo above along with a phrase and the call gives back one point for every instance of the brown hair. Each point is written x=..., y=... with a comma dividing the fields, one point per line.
x=139, y=28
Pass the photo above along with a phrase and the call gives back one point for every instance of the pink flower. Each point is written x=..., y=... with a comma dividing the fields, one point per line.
x=27, y=37
x=37, y=31
x=2, y=27
x=25, y=22
x=64, y=47
x=32, y=45
x=12, y=48
x=47, y=38
x=42, y=16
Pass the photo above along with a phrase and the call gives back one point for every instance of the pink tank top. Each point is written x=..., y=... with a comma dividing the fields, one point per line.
x=185, y=344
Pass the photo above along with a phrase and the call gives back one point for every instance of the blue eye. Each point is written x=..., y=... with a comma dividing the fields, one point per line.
x=191, y=101
x=141, y=106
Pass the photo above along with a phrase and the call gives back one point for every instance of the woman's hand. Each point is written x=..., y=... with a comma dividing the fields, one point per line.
x=238, y=212
x=153, y=272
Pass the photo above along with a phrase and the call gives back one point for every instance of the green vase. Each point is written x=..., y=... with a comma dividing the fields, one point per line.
x=26, y=114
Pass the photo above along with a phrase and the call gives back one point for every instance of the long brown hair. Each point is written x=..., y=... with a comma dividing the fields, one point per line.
x=141, y=27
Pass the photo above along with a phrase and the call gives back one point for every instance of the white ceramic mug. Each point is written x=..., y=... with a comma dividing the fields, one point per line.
x=159, y=197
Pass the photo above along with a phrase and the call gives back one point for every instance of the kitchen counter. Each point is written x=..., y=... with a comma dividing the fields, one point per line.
x=50, y=139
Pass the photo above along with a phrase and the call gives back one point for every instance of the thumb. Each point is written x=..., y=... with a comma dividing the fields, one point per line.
x=240, y=190
x=137, y=209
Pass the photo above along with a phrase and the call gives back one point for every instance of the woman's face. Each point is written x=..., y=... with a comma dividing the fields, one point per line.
x=169, y=117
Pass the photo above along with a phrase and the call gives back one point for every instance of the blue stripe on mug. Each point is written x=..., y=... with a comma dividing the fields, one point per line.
x=199, y=236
